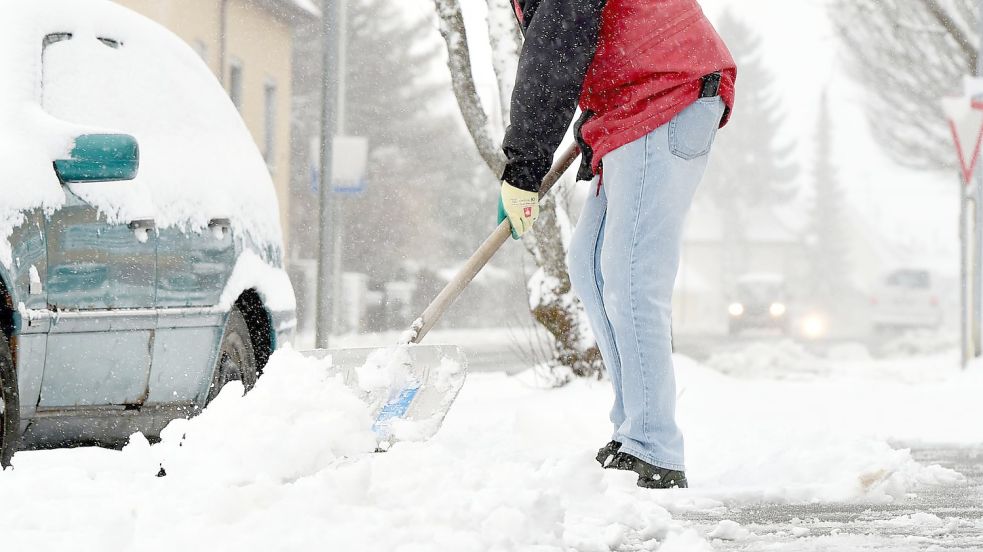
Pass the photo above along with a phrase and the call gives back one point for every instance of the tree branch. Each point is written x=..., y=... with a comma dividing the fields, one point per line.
x=908, y=55
x=506, y=42
x=451, y=22
x=941, y=15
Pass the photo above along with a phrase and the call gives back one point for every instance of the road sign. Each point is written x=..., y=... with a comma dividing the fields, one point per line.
x=966, y=124
x=349, y=165
x=965, y=118
x=351, y=159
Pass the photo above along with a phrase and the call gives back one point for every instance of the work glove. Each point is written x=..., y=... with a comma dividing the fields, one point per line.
x=520, y=207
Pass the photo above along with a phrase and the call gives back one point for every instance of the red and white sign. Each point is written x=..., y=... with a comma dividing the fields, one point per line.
x=965, y=117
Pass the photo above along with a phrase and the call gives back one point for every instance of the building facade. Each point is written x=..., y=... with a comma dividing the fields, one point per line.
x=248, y=44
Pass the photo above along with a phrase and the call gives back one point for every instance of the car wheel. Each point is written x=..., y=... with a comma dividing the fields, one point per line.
x=236, y=358
x=9, y=405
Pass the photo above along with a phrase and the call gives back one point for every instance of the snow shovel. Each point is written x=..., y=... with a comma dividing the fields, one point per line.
x=410, y=387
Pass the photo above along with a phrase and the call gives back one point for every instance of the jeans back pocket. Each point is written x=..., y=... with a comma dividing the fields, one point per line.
x=692, y=131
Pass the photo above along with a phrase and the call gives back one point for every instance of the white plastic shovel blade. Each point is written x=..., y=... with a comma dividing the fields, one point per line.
x=409, y=388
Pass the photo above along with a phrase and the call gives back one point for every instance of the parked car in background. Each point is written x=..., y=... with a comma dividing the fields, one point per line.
x=140, y=246
x=906, y=299
x=760, y=301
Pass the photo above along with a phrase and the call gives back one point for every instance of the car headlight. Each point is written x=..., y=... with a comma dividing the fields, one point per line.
x=735, y=309
x=777, y=310
x=814, y=326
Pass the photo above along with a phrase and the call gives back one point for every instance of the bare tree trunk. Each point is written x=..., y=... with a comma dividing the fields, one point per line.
x=552, y=301
x=451, y=22
x=948, y=22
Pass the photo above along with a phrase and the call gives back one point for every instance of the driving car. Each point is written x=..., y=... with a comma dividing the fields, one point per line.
x=906, y=299
x=759, y=301
x=140, y=246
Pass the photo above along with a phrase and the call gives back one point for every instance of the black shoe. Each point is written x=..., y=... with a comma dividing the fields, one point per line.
x=621, y=461
x=649, y=476
x=607, y=453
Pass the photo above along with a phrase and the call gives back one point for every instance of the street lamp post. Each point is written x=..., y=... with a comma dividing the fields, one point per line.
x=329, y=94
x=976, y=219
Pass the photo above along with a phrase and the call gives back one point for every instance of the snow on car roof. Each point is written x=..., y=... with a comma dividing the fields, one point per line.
x=198, y=160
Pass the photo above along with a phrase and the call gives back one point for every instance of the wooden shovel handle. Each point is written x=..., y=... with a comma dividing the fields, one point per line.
x=484, y=254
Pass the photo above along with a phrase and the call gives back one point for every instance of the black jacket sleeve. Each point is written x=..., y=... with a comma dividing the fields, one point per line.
x=560, y=41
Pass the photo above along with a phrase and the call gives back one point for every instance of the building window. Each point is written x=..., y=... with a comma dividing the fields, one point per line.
x=235, y=83
x=269, y=123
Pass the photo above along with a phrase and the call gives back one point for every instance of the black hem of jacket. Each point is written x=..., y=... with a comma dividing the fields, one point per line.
x=560, y=41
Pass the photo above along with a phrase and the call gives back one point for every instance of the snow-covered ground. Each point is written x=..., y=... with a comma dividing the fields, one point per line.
x=289, y=466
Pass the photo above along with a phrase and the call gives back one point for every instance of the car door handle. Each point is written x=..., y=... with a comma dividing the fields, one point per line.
x=220, y=222
x=220, y=227
x=143, y=224
x=142, y=228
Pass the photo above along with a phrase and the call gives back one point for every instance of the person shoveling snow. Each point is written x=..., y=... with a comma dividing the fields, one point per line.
x=654, y=121
x=655, y=81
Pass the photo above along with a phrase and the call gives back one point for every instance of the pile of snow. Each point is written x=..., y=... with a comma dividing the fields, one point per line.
x=280, y=432
x=729, y=530
x=289, y=466
x=773, y=360
x=817, y=440
x=921, y=342
x=917, y=357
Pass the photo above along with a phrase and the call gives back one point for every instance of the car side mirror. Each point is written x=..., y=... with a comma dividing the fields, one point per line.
x=100, y=158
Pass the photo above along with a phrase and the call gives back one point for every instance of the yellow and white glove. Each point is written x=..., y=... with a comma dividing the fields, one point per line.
x=521, y=207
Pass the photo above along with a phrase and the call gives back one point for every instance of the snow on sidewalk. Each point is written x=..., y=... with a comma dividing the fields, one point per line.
x=288, y=467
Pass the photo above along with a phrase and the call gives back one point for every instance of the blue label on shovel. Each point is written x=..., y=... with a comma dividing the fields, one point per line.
x=396, y=408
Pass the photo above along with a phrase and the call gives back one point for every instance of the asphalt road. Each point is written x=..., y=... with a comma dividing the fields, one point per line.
x=514, y=357
x=862, y=527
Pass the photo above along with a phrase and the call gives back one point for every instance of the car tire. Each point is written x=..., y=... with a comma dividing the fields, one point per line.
x=10, y=403
x=236, y=359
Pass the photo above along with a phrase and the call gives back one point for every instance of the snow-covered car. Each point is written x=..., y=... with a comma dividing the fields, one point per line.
x=140, y=244
x=906, y=299
x=759, y=301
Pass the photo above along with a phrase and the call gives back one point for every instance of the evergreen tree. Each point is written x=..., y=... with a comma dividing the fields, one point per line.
x=828, y=234
x=421, y=162
x=749, y=167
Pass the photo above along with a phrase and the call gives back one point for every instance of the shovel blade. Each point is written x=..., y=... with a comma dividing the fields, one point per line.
x=409, y=388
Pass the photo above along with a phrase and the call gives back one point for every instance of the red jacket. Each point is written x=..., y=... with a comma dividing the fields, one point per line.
x=633, y=65
x=650, y=59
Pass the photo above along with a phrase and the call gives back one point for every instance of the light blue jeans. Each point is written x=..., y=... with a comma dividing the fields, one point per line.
x=623, y=263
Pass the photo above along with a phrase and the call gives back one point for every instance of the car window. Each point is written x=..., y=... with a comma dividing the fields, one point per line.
x=910, y=279
x=110, y=85
x=197, y=158
x=760, y=292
